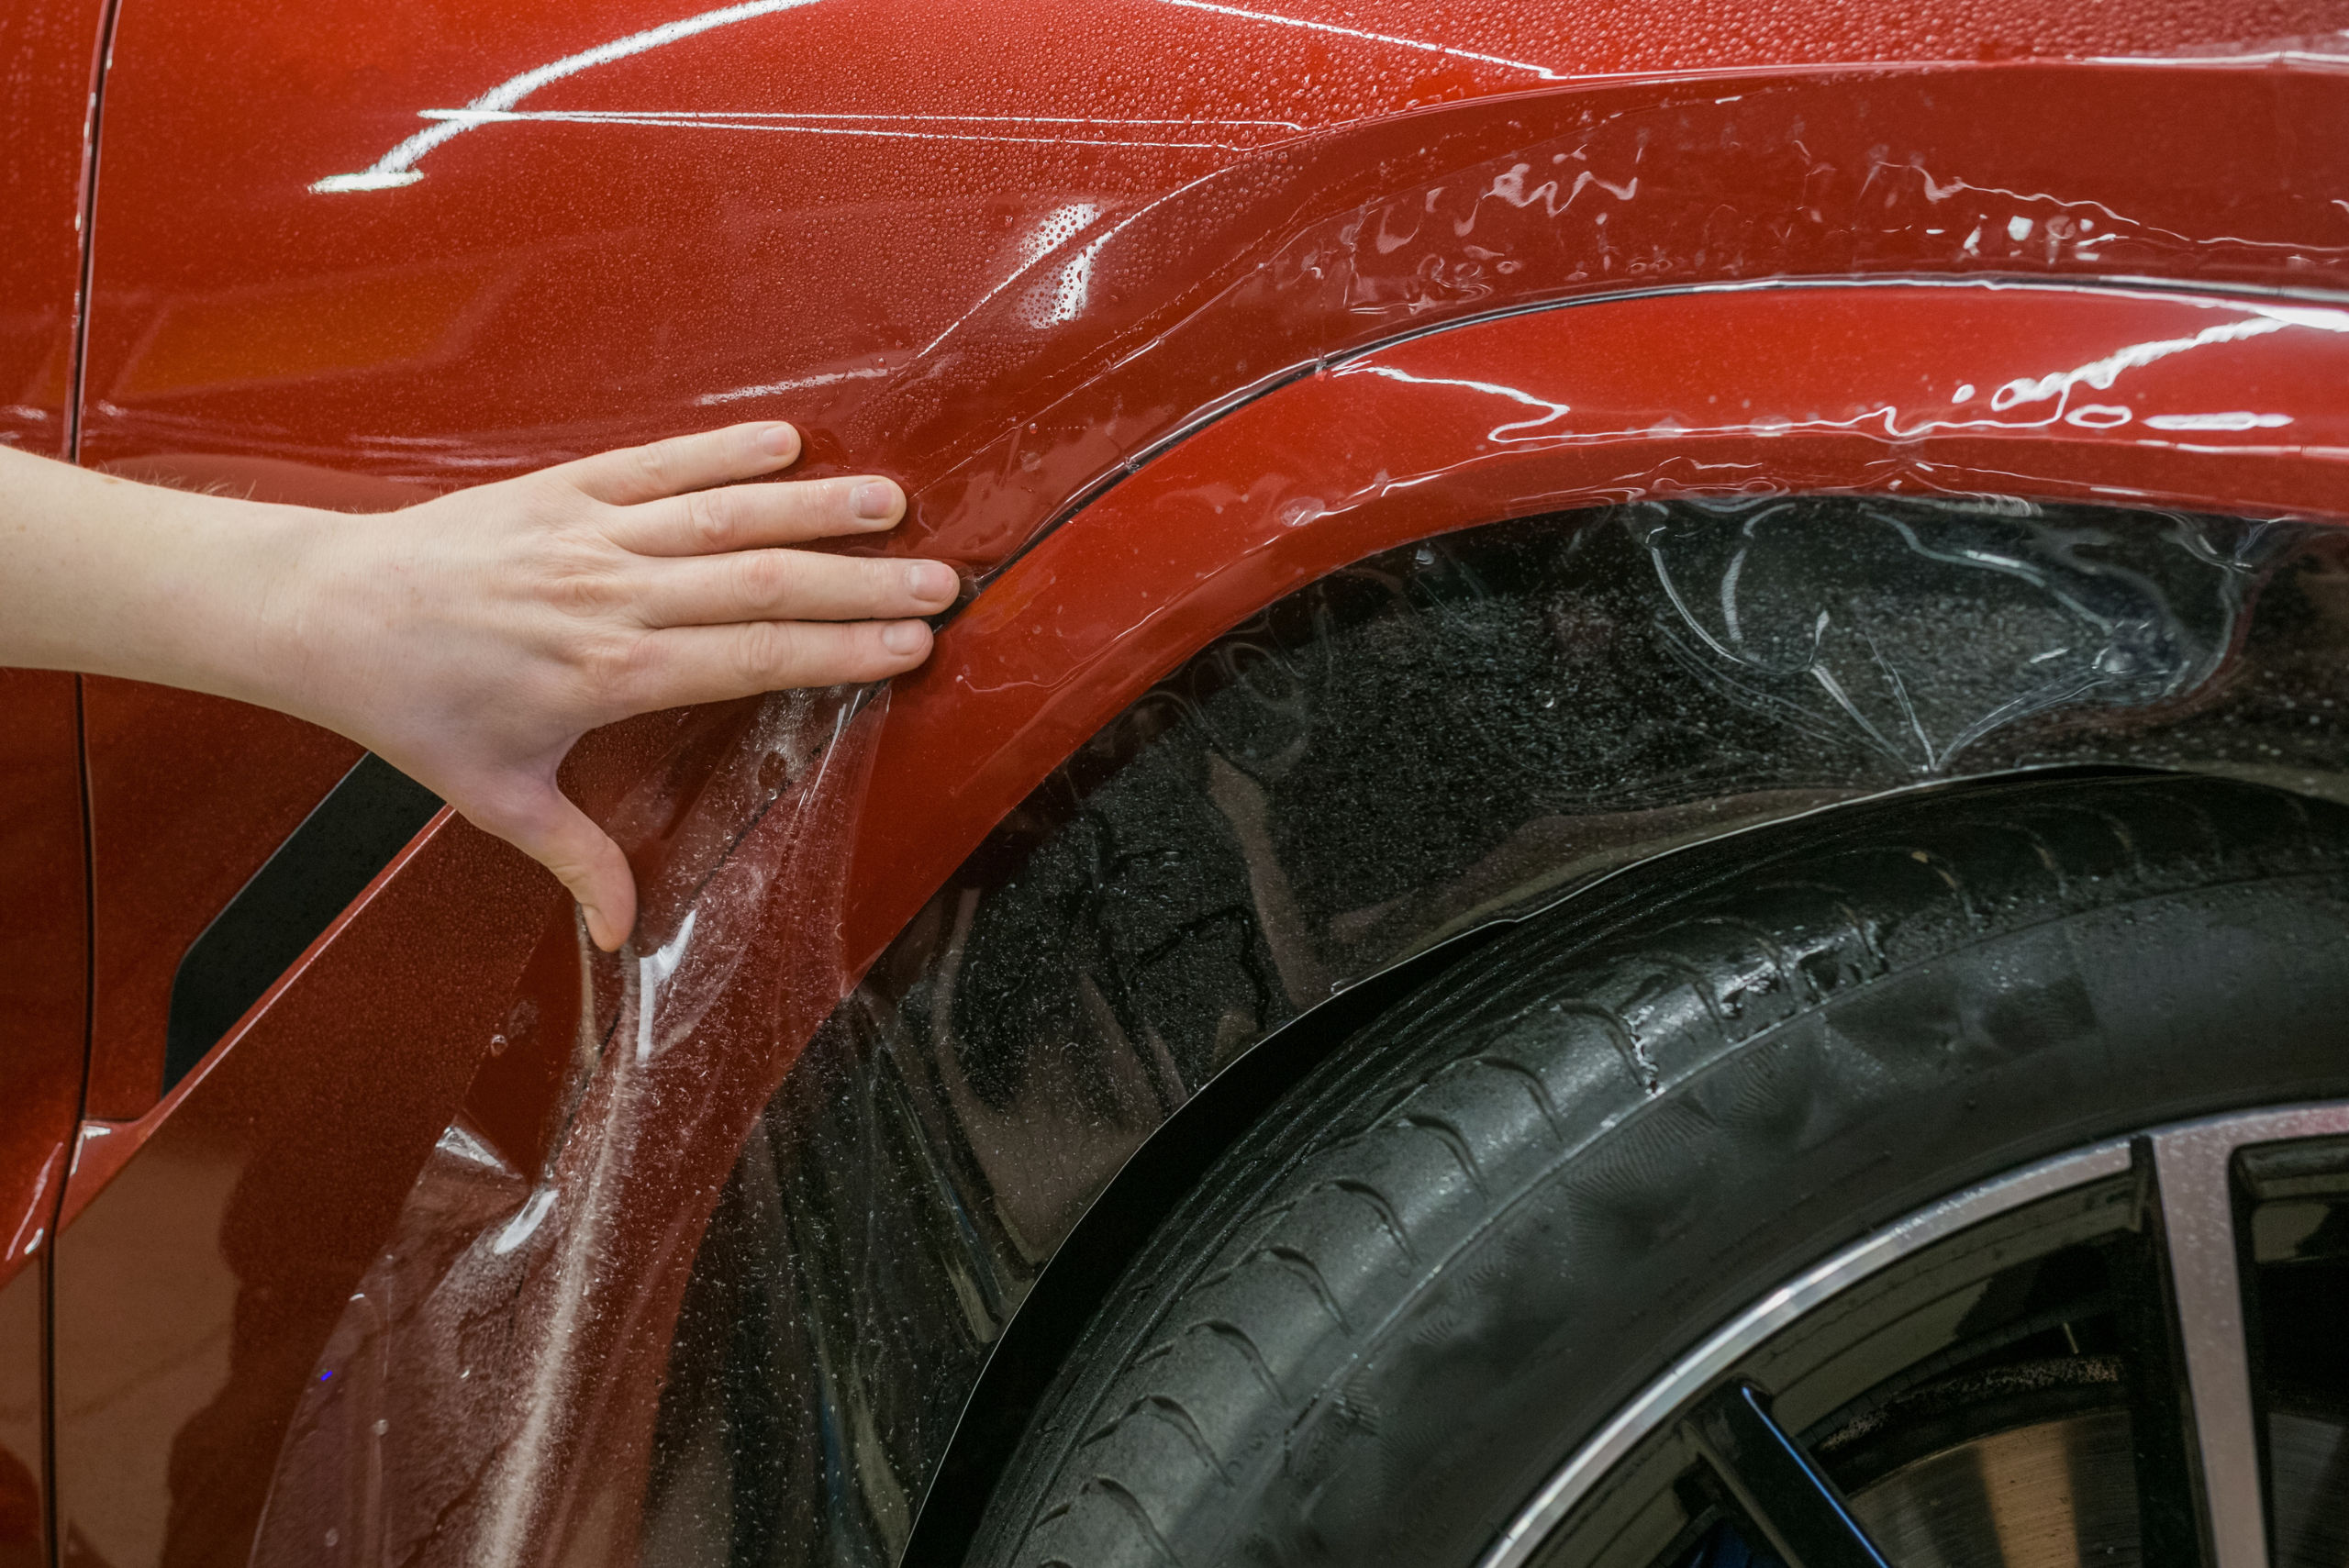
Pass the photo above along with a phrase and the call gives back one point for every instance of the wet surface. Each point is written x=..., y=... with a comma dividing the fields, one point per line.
x=1088, y=253
x=49, y=51
x=565, y=237
x=473, y=1371
x=1444, y=735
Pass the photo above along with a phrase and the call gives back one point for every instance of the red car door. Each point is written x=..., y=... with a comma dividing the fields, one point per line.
x=48, y=51
x=43, y=928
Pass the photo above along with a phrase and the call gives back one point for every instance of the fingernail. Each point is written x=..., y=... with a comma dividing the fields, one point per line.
x=904, y=637
x=779, y=440
x=875, y=499
x=595, y=919
x=930, y=580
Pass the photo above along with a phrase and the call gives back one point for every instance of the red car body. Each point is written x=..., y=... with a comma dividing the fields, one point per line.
x=1158, y=309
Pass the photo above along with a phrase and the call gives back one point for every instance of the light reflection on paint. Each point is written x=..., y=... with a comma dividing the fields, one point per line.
x=1422, y=45
x=1499, y=434
x=797, y=384
x=2102, y=372
x=517, y=1229
x=2237, y=420
x=2055, y=388
x=797, y=124
x=652, y=972
x=397, y=167
x=497, y=106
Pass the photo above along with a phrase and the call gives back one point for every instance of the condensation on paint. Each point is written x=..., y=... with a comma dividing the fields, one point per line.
x=1088, y=257
x=445, y=1419
x=492, y=1391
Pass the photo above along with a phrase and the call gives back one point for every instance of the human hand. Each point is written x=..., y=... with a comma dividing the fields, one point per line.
x=471, y=640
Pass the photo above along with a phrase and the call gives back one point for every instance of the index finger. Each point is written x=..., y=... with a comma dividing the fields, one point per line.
x=628, y=475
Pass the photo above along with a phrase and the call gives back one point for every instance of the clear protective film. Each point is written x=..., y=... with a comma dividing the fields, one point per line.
x=711, y=1262
x=502, y=1355
x=1325, y=246
x=629, y=1316
x=1448, y=735
x=674, y=1289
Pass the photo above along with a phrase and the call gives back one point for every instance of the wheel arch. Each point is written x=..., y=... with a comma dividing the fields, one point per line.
x=881, y=1249
x=1044, y=671
x=1848, y=388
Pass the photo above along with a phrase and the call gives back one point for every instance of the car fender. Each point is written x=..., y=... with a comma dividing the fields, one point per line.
x=1194, y=453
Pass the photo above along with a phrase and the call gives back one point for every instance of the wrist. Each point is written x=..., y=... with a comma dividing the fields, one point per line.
x=228, y=597
x=275, y=623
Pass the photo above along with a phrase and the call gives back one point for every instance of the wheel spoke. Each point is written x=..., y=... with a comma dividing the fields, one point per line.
x=1776, y=1485
x=2146, y=1248
x=2197, y=1216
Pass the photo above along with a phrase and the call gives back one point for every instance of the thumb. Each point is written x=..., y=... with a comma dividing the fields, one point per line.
x=555, y=832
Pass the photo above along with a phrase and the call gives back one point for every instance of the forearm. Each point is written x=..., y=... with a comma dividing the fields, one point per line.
x=114, y=577
x=470, y=639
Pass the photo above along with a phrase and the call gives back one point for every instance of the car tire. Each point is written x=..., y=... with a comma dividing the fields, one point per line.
x=1444, y=1259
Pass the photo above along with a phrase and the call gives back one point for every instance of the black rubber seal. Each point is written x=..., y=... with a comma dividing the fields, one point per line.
x=368, y=818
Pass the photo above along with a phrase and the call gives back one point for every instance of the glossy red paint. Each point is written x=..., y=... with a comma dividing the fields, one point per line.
x=1511, y=415
x=1086, y=283
x=189, y=1288
x=1887, y=388
x=1005, y=311
x=24, y=1507
x=48, y=65
x=44, y=931
x=189, y=795
x=530, y=1444
x=159, y=759
x=49, y=59
x=208, y=1248
x=1960, y=389
x=1066, y=283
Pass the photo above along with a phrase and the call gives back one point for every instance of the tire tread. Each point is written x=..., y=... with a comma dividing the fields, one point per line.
x=1389, y=1160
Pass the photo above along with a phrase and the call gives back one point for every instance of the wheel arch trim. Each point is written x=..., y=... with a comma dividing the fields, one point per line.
x=1161, y=563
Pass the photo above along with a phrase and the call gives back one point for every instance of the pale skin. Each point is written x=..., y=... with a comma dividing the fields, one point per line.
x=471, y=640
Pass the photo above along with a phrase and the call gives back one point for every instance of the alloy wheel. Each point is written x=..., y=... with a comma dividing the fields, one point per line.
x=2129, y=1353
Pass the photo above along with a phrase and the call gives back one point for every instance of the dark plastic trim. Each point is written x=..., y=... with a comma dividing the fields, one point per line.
x=366, y=819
